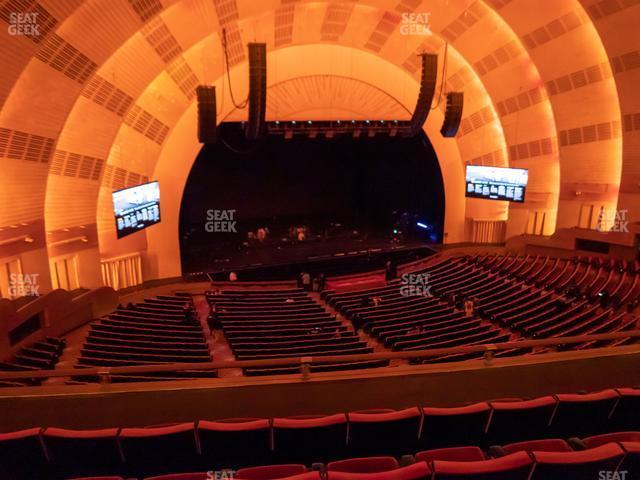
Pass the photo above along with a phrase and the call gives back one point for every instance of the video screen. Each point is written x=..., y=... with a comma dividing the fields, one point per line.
x=496, y=183
x=136, y=208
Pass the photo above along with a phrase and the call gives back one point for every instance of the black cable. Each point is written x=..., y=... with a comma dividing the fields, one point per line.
x=226, y=61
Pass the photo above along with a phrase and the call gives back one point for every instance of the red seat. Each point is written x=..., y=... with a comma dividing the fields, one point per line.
x=417, y=471
x=581, y=415
x=545, y=445
x=597, y=440
x=364, y=465
x=21, y=454
x=83, y=452
x=235, y=443
x=387, y=433
x=99, y=478
x=311, y=439
x=579, y=465
x=532, y=418
x=516, y=466
x=269, y=472
x=452, y=454
x=174, y=449
x=454, y=427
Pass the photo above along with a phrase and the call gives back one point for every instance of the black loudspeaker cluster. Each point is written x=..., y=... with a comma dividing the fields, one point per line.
x=257, y=90
x=453, y=114
x=206, y=114
x=427, y=89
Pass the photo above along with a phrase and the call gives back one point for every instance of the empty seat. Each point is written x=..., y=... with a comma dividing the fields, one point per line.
x=544, y=445
x=310, y=439
x=103, y=478
x=364, y=465
x=160, y=450
x=580, y=465
x=516, y=466
x=452, y=454
x=453, y=427
x=21, y=455
x=391, y=433
x=269, y=472
x=617, y=437
x=185, y=476
x=235, y=443
x=83, y=452
x=532, y=418
x=417, y=471
x=583, y=414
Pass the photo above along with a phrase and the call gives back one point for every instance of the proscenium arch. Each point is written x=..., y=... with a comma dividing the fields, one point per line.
x=163, y=250
x=75, y=23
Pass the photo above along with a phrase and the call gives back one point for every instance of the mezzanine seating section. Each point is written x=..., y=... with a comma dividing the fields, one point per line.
x=264, y=324
x=157, y=331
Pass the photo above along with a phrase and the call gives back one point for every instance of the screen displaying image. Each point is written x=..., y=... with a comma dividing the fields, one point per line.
x=136, y=208
x=496, y=183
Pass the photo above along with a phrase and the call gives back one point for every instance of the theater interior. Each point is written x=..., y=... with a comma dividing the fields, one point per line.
x=320, y=239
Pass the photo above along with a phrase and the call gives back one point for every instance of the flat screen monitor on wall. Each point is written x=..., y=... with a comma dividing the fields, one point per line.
x=496, y=183
x=136, y=208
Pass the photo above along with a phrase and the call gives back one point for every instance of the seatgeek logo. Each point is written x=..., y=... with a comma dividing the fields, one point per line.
x=221, y=474
x=221, y=221
x=611, y=475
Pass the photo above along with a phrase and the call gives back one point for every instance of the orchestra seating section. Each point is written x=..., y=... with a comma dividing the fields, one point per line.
x=263, y=324
x=515, y=297
x=162, y=330
x=563, y=436
x=41, y=355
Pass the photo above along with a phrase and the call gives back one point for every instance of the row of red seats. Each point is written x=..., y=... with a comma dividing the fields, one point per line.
x=238, y=443
x=612, y=456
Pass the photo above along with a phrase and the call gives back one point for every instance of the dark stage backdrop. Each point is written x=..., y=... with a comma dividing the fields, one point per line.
x=371, y=185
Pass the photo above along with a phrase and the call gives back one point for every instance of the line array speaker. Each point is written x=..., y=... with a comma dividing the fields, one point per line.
x=428, y=81
x=257, y=90
x=206, y=113
x=453, y=114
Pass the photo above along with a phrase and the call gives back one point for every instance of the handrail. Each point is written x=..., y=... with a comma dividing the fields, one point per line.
x=305, y=361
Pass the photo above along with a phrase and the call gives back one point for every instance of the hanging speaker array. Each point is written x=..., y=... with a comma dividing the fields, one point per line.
x=428, y=80
x=453, y=114
x=206, y=96
x=257, y=90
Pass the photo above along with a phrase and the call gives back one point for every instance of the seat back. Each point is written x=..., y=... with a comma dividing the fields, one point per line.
x=310, y=440
x=580, y=415
x=631, y=462
x=417, y=471
x=544, y=445
x=520, y=420
x=453, y=454
x=269, y=472
x=235, y=444
x=83, y=452
x=174, y=450
x=618, y=437
x=454, y=427
x=364, y=465
x=21, y=455
x=577, y=465
x=516, y=466
x=391, y=433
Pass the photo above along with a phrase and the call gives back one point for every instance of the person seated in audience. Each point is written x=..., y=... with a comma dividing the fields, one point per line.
x=469, y=307
x=289, y=300
x=233, y=277
x=376, y=301
x=306, y=281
